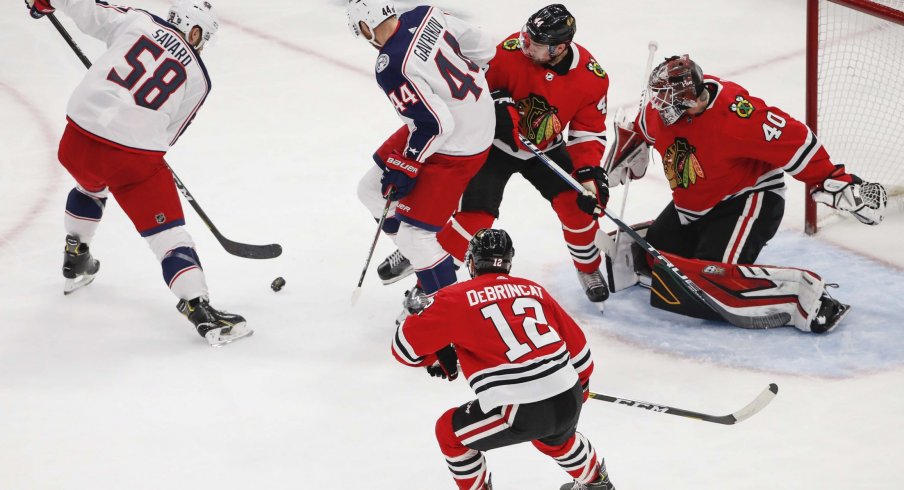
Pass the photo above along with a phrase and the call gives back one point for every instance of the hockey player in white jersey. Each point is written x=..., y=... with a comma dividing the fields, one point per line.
x=133, y=104
x=430, y=66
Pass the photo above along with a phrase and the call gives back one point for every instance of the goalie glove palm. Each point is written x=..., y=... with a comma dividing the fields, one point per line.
x=629, y=156
x=847, y=192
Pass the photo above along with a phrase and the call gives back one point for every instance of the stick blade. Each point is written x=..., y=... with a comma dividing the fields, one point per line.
x=247, y=251
x=355, y=295
x=758, y=403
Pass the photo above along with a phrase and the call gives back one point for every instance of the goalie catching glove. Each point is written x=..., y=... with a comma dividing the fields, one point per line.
x=39, y=8
x=594, y=200
x=629, y=156
x=400, y=176
x=847, y=192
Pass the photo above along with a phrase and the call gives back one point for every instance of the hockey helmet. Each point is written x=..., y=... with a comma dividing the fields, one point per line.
x=371, y=12
x=490, y=250
x=675, y=86
x=186, y=14
x=550, y=26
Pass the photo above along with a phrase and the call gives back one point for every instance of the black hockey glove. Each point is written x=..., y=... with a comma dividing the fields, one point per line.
x=507, y=118
x=594, y=179
x=446, y=366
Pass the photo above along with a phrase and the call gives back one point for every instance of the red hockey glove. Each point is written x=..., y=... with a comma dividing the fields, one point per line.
x=629, y=155
x=594, y=200
x=847, y=192
x=400, y=176
x=446, y=366
x=507, y=118
x=39, y=8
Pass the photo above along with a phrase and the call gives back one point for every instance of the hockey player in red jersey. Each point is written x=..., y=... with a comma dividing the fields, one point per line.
x=725, y=154
x=430, y=68
x=542, y=82
x=132, y=105
x=525, y=358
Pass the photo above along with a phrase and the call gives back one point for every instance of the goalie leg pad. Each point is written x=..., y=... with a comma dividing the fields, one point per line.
x=752, y=290
x=620, y=261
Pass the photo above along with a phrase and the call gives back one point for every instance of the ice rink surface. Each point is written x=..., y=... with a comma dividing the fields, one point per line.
x=111, y=388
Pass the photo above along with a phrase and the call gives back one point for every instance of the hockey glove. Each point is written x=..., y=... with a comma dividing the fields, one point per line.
x=629, y=155
x=39, y=8
x=594, y=200
x=585, y=385
x=400, y=176
x=847, y=192
x=507, y=118
x=446, y=366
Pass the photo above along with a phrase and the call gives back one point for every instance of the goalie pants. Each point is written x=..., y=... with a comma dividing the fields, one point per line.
x=483, y=196
x=733, y=232
x=465, y=432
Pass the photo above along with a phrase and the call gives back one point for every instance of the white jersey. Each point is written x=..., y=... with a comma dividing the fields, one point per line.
x=144, y=91
x=432, y=70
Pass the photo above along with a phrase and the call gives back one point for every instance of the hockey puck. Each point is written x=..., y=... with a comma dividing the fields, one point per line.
x=277, y=284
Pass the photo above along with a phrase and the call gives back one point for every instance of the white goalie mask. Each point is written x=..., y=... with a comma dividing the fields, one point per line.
x=185, y=14
x=371, y=12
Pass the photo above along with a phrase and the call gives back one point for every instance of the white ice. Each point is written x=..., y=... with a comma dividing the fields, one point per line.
x=110, y=388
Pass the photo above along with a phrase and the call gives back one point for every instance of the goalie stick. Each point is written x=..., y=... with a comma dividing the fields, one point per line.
x=235, y=248
x=753, y=322
x=751, y=409
x=357, y=292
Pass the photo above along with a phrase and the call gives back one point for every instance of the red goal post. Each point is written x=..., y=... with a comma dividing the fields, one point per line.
x=855, y=87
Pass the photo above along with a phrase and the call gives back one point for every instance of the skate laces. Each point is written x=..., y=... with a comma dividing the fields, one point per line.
x=395, y=259
x=592, y=279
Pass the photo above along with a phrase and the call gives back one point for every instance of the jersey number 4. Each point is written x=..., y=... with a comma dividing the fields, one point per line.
x=516, y=348
x=167, y=78
x=460, y=83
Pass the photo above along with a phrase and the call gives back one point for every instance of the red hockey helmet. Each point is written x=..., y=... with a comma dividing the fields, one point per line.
x=675, y=86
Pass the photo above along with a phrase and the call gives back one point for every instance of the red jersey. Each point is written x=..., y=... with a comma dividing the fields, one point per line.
x=548, y=98
x=738, y=145
x=515, y=343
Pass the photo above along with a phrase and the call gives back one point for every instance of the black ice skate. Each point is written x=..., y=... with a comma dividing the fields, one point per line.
x=601, y=483
x=394, y=268
x=218, y=327
x=830, y=313
x=415, y=301
x=595, y=287
x=79, y=267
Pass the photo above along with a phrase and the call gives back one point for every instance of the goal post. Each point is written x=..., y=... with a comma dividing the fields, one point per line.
x=855, y=89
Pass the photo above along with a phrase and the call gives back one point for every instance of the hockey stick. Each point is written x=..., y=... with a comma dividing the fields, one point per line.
x=610, y=157
x=754, y=322
x=357, y=292
x=235, y=248
x=751, y=409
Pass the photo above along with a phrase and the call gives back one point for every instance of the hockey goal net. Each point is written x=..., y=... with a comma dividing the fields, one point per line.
x=855, y=91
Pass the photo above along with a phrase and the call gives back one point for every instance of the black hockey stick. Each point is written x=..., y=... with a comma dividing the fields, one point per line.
x=755, y=322
x=235, y=248
x=357, y=292
x=751, y=409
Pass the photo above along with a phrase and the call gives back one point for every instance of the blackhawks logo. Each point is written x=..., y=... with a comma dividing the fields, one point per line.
x=511, y=44
x=539, y=121
x=681, y=165
x=742, y=107
x=595, y=67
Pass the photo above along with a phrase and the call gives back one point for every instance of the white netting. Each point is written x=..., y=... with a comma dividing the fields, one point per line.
x=860, y=98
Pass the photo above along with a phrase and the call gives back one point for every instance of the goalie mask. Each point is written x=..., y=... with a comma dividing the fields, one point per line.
x=548, y=27
x=372, y=13
x=675, y=86
x=186, y=14
x=490, y=250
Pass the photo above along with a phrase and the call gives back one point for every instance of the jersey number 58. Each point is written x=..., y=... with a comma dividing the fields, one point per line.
x=156, y=90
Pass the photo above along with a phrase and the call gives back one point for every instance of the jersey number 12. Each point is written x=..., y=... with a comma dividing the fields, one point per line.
x=517, y=349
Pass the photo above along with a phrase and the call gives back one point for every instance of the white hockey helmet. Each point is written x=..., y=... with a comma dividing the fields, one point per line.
x=185, y=14
x=371, y=12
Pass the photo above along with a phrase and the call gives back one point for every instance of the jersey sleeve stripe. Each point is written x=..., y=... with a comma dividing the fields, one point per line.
x=402, y=347
x=582, y=360
x=803, y=155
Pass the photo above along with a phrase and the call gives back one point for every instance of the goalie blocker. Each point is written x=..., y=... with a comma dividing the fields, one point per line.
x=749, y=290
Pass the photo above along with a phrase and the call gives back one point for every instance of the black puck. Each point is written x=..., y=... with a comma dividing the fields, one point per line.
x=277, y=284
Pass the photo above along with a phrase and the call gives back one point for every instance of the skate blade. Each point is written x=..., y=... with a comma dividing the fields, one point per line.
x=844, y=312
x=79, y=282
x=216, y=337
x=407, y=272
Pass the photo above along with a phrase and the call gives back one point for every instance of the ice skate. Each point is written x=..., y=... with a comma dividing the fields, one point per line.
x=595, y=287
x=218, y=327
x=396, y=267
x=79, y=267
x=415, y=301
x=601, y=483
x=830, y=313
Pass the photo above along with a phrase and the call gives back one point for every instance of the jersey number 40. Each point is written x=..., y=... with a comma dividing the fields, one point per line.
x=516, y=348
